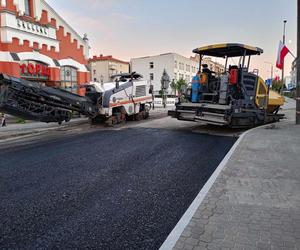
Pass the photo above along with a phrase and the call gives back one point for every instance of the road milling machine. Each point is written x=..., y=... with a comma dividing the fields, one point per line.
x=234, y=97
x=128, y=97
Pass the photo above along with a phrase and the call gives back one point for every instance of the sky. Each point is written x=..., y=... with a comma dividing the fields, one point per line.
x=136, y=28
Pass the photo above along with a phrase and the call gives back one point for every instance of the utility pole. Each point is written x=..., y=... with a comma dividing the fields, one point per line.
x=298, y=68
x=272, y=69
x=283, y=40
x=272, y=74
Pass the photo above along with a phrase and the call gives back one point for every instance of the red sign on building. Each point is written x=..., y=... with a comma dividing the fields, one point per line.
x=32, y=69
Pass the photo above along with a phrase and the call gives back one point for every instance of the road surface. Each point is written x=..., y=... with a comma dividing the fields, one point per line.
x=108, y=189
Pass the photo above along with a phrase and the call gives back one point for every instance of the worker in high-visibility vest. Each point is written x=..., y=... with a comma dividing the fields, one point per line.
x=204, y=79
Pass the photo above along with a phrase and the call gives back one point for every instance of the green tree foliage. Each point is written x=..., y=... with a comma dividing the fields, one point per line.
x=277, y=85
x=180, y=84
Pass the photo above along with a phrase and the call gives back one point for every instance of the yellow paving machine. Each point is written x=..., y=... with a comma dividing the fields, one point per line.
x=234, y=97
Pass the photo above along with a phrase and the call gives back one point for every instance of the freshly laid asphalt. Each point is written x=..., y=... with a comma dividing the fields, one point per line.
x=113, y=189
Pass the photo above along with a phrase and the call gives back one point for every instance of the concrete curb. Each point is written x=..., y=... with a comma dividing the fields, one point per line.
x=16, y=134
x=174, y=236
x=22, y=135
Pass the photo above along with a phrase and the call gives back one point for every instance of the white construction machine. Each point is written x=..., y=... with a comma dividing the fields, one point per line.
x=127, y=97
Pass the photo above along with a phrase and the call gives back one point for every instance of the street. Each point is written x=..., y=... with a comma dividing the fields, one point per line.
x=123, y=188
x=124, y=128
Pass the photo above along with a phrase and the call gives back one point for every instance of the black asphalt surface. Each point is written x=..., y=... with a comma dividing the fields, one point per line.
x=123, y=189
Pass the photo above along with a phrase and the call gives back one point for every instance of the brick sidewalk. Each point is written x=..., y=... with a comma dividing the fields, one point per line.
x=255, y=201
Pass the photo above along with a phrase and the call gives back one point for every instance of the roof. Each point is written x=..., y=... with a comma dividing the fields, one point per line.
x=228, y=49
x=106, y=58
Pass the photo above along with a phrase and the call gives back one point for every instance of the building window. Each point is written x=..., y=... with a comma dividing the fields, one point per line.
x=94, y=72
x=68, y=77
x=151, y=64
x=27, y=7
x=175, y=65
x=188, y=68
x=151, y=76
x=181, y=66
x=175, y=76
x=95, y=79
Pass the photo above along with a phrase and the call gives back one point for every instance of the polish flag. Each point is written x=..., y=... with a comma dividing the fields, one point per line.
x=282, y=52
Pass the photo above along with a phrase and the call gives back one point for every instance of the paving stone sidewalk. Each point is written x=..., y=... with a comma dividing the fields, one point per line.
x=255, y=201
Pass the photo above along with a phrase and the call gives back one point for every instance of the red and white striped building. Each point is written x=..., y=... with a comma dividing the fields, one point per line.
x=37, y=44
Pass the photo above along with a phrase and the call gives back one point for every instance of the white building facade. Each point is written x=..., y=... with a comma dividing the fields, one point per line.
x=294, y=74
x=176, y=66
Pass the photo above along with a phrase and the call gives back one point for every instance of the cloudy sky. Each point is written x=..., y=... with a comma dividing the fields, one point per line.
x=135, y=28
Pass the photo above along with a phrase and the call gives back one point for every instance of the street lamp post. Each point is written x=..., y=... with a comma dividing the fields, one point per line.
x=283, y=40
x=298, y=69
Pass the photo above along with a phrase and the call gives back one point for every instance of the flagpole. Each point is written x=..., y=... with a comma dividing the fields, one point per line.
x=292, y=54
x=298, y=69
x=282, y=78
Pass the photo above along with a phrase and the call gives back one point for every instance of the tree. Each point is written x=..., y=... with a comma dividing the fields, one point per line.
x=178, y=86
x=277, y=85
x=181, y=83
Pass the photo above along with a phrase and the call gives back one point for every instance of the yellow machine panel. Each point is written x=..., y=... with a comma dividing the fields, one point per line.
x=275, y=101
x=261, y=98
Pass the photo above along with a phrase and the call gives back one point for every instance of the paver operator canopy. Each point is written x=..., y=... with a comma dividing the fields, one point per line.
x=229, y=50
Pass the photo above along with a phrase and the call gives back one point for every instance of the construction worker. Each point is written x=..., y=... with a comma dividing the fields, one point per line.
x=3, y=120
x=207, y=74
x=206, y=69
